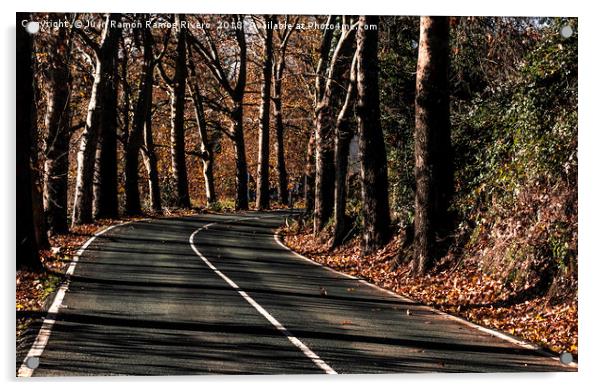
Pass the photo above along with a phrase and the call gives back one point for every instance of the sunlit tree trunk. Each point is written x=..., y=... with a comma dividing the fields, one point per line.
x=263, y=159
x=434, y=180
x=373, y=156
x=178, y=100
x=328, y=94
x=149, y=157
x=82, y=204
x=206, y=150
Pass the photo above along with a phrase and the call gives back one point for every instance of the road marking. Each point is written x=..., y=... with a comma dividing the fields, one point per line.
x=41, y=340
x=295, y=341
x=492, y=332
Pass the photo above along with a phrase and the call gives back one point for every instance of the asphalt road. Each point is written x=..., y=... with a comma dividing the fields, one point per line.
x=217, y=294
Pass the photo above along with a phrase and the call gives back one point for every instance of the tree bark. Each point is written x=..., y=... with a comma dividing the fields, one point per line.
x=309, y=180
x=373, y=156
x=343, y=135
x=206, y=149
x=27, y=246
x=141, y=137
x=134, y=142
x=178, y=100
x=277, y=74
x=149, y=157
x=325, y=124
x=57, y=121
x=37, y=200
x=105, y=204
x=434, y=181
x=82, y=204
x=242, y=179
x=263, y=163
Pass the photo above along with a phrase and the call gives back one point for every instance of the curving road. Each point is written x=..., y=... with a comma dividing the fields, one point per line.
x=217, y=294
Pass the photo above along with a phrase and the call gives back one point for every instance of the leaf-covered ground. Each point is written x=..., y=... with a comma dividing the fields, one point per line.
x=463, y=290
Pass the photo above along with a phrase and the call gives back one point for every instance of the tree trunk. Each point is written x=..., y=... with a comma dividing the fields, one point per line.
x=343, y=135
x=277, y=74
x=150, y=157
x=37, y=200
x=57, y=121
x=141, y=135
x=431, y=138
x=324, y=197
x=178, y=100
x=280, y=160
x=27, y=246
x=263, y=159
x=325, y=124
x=237, y=114
x=309, y=180
x=373, y=156
x=206, y=151
x=105, y=204
x=82, y=203
x=132, y=149
x=242, y=199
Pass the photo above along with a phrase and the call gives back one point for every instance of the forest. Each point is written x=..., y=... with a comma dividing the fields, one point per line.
x=433, y=156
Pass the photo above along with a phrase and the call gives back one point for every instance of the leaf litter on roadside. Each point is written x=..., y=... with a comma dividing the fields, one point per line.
x=465, y=291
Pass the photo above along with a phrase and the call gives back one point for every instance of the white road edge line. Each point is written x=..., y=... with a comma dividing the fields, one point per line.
x=295, y=341
x=495, y=333
x=39, y=344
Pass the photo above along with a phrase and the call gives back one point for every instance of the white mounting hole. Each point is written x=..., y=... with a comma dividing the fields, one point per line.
x=33, y=362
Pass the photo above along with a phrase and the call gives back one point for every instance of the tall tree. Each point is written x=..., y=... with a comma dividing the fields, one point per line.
x=57, y=122
x=27, y=246
x=263, y=155
x=177, y=85
x=103, y=54
x=277, y=75
x=208, y=51
x=149, y=156
x=206, y=148
x=373, y=156
x=37, y=199
x=327, y=94
x=433, y=163
x=343, y=136
x=141, y=136
x=105, y=204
